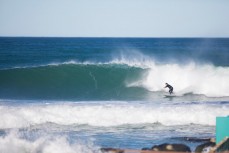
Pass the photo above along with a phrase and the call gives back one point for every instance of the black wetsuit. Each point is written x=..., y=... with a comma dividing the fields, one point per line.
x=170, y=88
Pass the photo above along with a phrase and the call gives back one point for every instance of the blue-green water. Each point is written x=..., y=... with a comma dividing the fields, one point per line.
x=80, y=94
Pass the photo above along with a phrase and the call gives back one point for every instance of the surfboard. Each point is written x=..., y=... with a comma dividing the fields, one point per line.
x=169, y=96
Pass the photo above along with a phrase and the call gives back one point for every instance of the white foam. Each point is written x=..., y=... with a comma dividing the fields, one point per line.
x=198, y=79
x=14, y=143
x=109, y=114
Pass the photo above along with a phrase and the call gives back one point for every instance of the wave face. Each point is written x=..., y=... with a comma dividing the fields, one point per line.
x=70, y=81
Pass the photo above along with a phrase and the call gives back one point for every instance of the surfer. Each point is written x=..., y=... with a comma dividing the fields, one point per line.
x=170, y=88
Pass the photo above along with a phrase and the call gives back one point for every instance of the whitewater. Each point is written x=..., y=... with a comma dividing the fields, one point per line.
x=77, y=95
x=110, y=114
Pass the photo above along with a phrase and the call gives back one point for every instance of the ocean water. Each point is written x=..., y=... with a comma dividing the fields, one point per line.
x=76, y=95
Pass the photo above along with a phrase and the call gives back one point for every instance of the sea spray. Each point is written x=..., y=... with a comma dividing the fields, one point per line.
x=15, y=142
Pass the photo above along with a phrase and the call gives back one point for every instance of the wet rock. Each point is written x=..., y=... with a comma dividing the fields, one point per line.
x=193, y=139
x=146, y=148
x=171, y=147
x=111, y=150
x=204, y=147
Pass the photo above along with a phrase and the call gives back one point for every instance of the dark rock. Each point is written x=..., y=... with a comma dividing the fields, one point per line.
x=111, y=150
x=201, y=147
x=171, y=147
x=146, y=148
x=193, y=139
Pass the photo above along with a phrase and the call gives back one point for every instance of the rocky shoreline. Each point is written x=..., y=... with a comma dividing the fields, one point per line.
x=207, y=144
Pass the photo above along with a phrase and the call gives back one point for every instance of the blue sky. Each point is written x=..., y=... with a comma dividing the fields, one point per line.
x=115, y=18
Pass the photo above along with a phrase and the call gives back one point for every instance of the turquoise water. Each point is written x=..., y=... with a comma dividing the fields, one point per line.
x=80, y=94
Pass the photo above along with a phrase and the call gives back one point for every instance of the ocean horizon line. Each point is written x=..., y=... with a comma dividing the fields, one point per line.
x=119, y=37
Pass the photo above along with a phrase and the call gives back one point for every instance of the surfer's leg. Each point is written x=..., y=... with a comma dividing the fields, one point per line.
x=171, y=90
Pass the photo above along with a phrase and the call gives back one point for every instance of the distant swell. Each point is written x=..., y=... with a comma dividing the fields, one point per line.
x=109, y=114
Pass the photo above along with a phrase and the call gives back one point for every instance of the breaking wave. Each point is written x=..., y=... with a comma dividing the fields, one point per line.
x=119, y=79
